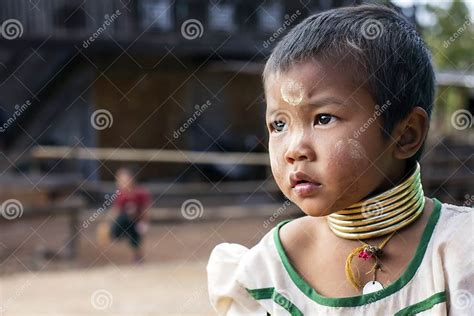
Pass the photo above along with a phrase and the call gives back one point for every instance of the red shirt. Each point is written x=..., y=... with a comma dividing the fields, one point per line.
x=132, y=202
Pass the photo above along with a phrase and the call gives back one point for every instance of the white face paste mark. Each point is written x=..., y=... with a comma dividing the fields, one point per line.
x=353, y=148
x=356, y=149
x=292, y=92
x=273, y=160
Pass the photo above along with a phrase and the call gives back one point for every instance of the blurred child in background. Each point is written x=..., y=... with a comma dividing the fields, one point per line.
x=129, y=212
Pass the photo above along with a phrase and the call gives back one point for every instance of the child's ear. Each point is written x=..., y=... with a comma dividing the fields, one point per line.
x=410, y=133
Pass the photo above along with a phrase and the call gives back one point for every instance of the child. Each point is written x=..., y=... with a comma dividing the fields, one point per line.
x=349, y=96
x=129, y=211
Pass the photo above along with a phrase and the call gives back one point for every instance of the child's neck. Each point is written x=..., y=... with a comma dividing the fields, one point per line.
x=396, y=177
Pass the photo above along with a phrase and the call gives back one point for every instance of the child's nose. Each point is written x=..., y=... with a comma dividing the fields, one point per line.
x=300, y=149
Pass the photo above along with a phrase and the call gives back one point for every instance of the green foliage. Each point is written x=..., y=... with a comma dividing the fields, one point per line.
x=451, y=36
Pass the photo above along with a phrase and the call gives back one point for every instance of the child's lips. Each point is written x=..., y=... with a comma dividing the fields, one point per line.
x=302, y=184
x=299, y=177
x=306, y=188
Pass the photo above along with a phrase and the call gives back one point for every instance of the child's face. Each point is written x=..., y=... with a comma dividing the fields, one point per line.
x=320, y=141
x=124, y=180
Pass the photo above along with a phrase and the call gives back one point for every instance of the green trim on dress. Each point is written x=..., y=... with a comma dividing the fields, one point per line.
x=363, y=299
x=423, y=305
x=270, y=293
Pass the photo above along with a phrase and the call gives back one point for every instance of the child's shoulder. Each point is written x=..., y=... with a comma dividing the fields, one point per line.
x=287, y=230
x=455, y=223
x=237, y=253
x=232, y=263
x=457, y=209
x=454, y=244
x=297, y=233
x=456, y=215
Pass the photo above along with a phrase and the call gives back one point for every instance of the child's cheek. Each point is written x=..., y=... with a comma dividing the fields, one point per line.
x=277, y=164
x=346, y=164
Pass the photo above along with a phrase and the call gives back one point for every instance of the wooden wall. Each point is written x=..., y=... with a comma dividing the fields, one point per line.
x=148, y=102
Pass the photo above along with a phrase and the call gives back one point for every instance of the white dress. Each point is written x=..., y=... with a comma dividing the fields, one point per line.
x=439, y=279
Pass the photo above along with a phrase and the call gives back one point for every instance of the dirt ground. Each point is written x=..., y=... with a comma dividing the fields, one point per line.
x=172, y=288
x=172, y=281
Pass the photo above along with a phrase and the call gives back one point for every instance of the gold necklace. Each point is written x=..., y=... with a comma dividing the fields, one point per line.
x=377, y=216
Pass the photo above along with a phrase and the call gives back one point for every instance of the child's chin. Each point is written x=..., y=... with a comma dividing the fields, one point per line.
x=314, y=208
x=316, y=214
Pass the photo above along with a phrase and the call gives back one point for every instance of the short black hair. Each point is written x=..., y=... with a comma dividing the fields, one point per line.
x=387, y=56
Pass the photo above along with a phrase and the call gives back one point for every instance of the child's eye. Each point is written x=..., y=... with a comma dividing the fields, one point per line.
x=324, y=119
x=278, y=126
